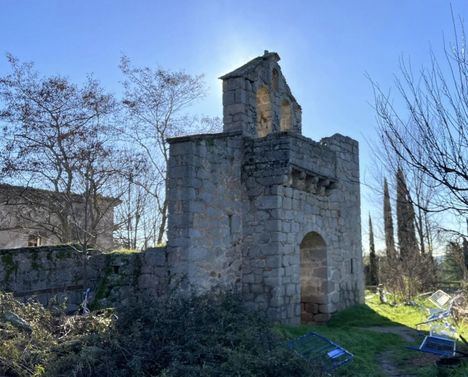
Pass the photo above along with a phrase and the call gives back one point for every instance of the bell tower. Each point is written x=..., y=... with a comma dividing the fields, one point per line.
x=257, y=100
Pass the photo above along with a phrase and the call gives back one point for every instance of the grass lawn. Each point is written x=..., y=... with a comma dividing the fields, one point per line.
x=377, y=334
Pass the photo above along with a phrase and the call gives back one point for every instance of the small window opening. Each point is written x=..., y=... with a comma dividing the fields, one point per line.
x=352, y=266
x=275, y=79
x=230, y=224
x=34, y=240
x=116, y=269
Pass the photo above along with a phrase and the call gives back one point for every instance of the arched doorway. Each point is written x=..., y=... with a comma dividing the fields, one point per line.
x=313, y=275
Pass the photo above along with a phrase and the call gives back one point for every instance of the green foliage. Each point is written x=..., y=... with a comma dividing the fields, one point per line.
x=350, y=328
x=103, y=288
x=125, y=251
x=372, y=332
x=24, y=336
x=63, y=254
x=35, y=265
x=364, y=344
x=406, y=315
x=209, y=335
x=30, y=335
x=407, y=278
x=359, y=316
x=454, y=265
x=373, y=271
x=9, y=265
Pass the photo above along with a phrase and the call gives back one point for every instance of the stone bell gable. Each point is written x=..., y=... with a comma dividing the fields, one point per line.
x=263, y=210
x=257, y=99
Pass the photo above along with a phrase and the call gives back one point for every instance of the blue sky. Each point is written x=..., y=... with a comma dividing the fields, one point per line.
x=326, y=48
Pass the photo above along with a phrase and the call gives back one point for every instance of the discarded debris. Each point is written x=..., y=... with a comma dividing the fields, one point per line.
x=16, y=321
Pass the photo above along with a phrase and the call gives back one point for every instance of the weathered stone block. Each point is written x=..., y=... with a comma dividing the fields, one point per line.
x=326, y=308
x=322, y=317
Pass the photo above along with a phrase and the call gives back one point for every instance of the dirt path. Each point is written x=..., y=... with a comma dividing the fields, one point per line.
x=389, y=367
x=406, y=333
x=386, y=359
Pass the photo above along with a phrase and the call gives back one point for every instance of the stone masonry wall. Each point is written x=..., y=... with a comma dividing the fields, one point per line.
x=239, y=208
x=257, y=99
x=48, y=272
x=258, y=209
x=64, y=273
x=132, y=277
x=205, y=209
x=284, y=208
x=239, y=211
x=350, y=278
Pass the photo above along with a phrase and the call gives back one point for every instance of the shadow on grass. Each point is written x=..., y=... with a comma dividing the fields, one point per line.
x=378, y=337
x=360, y=316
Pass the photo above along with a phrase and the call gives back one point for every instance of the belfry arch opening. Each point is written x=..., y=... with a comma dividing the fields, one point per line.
x=313, y=276
x=264, y=112
x=286, y=116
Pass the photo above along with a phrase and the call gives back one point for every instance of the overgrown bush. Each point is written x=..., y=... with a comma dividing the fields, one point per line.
x=26, y=334
x=407, y=278
x=31, y=335
x=208, y=335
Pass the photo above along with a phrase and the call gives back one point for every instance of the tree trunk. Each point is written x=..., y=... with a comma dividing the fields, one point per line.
x=162, y=226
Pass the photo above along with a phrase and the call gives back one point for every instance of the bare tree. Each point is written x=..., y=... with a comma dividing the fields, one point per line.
x=155, y=102
x=58, y=137
x=137, y=216
x=430, y=136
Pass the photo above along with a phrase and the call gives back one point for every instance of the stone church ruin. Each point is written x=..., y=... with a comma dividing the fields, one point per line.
x=262, y=209
x=259, y=209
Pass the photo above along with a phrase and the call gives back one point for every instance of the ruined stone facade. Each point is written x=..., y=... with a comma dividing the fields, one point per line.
x=258, y=209
x=262, y=209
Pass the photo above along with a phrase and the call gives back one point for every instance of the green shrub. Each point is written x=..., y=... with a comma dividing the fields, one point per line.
x=30, y=335
x=208, y=335
x=25, y=336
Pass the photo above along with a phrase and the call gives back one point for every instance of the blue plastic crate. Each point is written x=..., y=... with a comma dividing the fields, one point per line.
x=317, y=349
x=437, y=345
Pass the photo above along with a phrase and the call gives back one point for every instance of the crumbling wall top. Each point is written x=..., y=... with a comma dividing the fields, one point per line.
x=257, y=99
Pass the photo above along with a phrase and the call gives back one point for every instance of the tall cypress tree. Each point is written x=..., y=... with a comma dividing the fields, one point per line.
x=405, y=218
x=388, y=224
x=373, y=265
x=465, y=252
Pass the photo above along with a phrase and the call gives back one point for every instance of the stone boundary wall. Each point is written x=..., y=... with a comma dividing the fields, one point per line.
x=132, y=277
x=63, y=273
